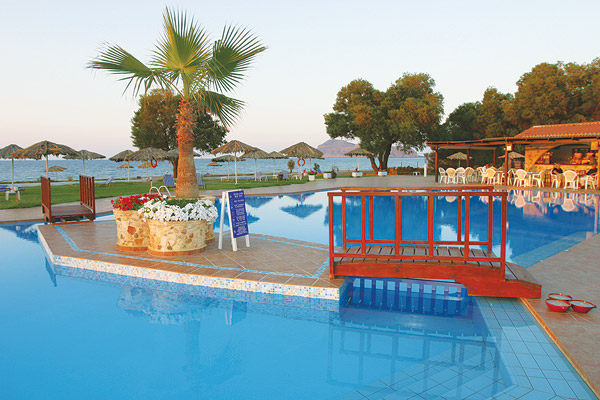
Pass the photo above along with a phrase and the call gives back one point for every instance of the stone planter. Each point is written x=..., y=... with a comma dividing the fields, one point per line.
x=357, y=174
x=132, y=231
x=210, y=234
x=311, y=178
x=382, y=173
x=327, y=175
x=175, y=238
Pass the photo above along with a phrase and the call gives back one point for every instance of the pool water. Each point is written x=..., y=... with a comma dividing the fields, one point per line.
x=69, y=333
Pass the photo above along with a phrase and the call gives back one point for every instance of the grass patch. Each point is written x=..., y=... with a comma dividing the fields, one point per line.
x=31, y=196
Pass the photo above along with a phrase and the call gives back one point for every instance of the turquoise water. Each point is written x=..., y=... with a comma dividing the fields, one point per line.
x=69, y=333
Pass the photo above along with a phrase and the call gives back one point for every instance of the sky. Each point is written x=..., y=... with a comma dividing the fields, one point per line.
x=314, y=49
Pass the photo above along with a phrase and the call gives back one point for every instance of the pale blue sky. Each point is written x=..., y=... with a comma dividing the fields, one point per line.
x=315, y=47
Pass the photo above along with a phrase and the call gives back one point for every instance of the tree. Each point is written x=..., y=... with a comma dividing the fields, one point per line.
x=187, y=62
x=153, y=124
x=492, y=119
x=461, y=123
x=405, y=115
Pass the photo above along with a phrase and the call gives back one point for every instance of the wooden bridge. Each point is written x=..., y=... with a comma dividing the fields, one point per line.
x=465, y=260
x=70, y=212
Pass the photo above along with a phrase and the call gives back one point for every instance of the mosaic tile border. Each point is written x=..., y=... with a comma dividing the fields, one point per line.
x=189, y=279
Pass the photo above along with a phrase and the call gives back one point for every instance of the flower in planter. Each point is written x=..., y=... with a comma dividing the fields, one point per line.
x=179, y=210
x=133, y=202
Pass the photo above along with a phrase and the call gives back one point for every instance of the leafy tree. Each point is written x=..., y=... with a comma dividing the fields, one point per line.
x=492, y=120
x=291, y=164
x=461, y=123
x=153, y=124
x=186, y=61
x=405, y=115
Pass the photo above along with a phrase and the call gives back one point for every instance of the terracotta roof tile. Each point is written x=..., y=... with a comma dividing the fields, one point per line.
x=582, y=129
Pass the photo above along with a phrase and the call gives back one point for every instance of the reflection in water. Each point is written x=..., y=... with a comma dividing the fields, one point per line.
x=384, y=329
x=24, y=230
x=302, y=210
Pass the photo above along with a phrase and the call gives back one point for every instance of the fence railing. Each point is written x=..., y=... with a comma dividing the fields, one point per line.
x=425, y=250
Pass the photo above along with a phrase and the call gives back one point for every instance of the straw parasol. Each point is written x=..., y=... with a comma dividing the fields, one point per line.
x=457, y=156
x=119, y=157
x=512, y=155
x=56, y=169
x=145, y=165
x=275, y=155
x=44, y=149
x=256, y=154
x=213, y=164
x=303, y=150
x=6, y=153
x=358, y=152
x=85, y=155
x=148, y=154
x=227, y=158
x=234, y=146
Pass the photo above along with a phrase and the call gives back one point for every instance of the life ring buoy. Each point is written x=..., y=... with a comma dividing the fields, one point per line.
x=153, y=163
x=301, y=160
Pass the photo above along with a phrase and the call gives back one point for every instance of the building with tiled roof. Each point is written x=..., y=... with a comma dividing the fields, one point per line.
x=563, y=131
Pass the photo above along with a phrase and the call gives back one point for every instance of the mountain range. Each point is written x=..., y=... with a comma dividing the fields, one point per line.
x=337, y=148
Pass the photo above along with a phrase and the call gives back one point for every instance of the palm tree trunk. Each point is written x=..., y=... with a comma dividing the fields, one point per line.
x=187, y=181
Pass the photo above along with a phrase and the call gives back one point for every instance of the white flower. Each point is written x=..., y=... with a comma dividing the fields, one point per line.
x=198, y=210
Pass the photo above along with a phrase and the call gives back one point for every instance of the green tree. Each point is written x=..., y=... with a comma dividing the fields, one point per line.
x=461, y=123
x=153, y=124
x=405, y=115
x=186, y=61
x=492, y=119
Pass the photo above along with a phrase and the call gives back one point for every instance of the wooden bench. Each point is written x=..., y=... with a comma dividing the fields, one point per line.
x=70, y=212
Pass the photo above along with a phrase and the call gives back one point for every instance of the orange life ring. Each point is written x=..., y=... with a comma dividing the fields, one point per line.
x=303, y=162
x=153, y=163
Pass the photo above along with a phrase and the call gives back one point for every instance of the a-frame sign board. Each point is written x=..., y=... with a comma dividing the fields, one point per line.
x=235, y=201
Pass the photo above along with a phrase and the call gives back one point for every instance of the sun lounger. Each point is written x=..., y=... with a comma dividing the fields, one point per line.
x=7, y=189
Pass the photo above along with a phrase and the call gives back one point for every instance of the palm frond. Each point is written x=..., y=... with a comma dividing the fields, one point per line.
x=116, y=60
x=183, y=52
x=226, y=109
x=232, y=56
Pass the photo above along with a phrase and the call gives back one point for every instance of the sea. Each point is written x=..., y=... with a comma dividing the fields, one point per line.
x=31, y=170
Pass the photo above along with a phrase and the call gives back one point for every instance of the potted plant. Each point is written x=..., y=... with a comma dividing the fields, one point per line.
x=132, y=231
x=178, y=226
x=311, y=175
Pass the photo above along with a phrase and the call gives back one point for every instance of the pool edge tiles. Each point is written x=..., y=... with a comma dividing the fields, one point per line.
x=242, y=273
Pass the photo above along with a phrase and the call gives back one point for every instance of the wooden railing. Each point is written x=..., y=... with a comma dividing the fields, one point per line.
x=428, y=247
x=87, y=192
x=46, y=198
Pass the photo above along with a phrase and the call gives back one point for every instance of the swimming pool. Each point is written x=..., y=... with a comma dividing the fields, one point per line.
x=69, y=333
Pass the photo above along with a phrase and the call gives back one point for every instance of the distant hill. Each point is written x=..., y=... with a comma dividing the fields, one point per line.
x=337, y=148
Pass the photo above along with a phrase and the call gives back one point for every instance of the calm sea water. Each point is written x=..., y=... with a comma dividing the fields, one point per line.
x=31, y=170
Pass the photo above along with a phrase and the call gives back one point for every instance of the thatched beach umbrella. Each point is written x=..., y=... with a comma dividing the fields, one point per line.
x=358, y=152
x=512, y=155
x=303, y=150
x=6, y=153
x=145, y=165
x=85, y=155
x=275, y=155
x=44, y=149
x=55, y=169
x=174, y=153
x=119, y=157
x=256, y=154
x=234, y=146
x=148, y=154
x=228, y=158
x=457, y=156
x=213, y=164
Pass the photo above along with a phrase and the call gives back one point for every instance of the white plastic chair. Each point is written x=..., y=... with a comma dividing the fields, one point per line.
x=450, y=175
x=489, y=176
x=571, y=179
x=520, y=177
x=442, y=174
x=588, y=180
x=469, y=174
x=460, y=176
x=556, y=178
x=538, y=179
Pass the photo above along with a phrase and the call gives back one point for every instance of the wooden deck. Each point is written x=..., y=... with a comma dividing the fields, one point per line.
x=480, y=276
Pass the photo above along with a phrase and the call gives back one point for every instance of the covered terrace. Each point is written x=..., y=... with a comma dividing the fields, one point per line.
x=573, y=146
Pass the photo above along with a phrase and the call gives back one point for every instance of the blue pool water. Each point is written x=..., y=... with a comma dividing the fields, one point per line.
x=69, y=333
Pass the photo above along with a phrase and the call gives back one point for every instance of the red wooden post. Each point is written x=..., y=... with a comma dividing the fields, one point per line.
x=344, y=243
x=467, y=227
x=436, y=165
x=490, y=220
x=503, y=234
x=468, y=156
x=331, y=266
x=430, y=229
x=398, y=202
x=371, y=234
x=363, y=223
x=459, y=220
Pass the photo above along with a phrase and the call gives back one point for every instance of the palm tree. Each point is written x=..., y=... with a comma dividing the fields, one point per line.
x=188, y=62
